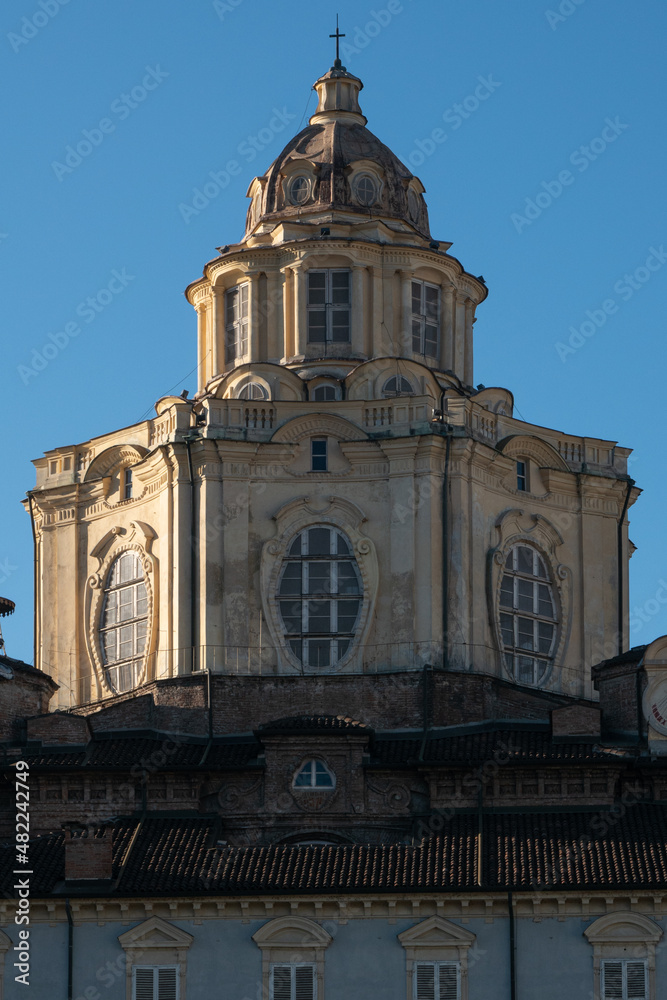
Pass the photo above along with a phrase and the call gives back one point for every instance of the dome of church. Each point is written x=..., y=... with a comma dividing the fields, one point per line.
x=336, y=165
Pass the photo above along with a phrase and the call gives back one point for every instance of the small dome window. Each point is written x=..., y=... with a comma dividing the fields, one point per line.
x=314, y=774
x=299, y=190
x=253, y=390
x=413, y=205
x=325, y=393
x=397, y=385
x=365, y=190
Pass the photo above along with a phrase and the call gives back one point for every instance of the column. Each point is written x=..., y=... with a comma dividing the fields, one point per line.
x=357, y=339
x=459, y=334
x=381, y=343
x=202, y=347
x=447, y=327
x=405, y=336
x=253, y=316
x=300, y=311
x=275, y=330
x=288, y=313
x=218, y=337
x=467, y=347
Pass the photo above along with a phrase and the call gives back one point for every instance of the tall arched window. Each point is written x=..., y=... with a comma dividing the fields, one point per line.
x=528, y=615
x=124, y=622
x=319, y=596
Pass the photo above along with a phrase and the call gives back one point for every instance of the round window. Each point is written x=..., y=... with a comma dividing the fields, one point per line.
x=299, y=190
x=365, y=190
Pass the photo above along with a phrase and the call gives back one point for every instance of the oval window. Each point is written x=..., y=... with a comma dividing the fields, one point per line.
x=528, y=615
x=124, y=622
x=320, y=596
x=299, y=190
x=365, y=190
x=413, y=205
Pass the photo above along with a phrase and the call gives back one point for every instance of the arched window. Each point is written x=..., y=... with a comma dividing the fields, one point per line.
x=124, y=622
x=397, y=385
x=325, y=393
x=528, y=616
x=253, y=390
x=314, y=774
x=319, y=596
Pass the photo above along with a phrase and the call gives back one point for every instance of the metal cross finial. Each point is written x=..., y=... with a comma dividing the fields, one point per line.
x=338, y=37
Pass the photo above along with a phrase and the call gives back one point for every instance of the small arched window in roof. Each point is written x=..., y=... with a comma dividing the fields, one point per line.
x=252, y=390
x=314, y=774
x=325, y=392
x=397, y=385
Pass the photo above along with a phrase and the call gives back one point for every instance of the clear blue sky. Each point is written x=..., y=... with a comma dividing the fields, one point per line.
x=217, y=72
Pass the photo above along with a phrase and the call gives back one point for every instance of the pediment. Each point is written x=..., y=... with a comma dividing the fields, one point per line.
x=155, y=933
x=436, y=932
x=285, y=932
x=623, y=927
x=111, y=458
x=529, y=446
x=318, y=423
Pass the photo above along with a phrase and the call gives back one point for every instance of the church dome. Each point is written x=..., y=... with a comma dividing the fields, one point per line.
x=336, y=168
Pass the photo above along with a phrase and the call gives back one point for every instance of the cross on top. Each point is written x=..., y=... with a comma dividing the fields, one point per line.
x=338, y=37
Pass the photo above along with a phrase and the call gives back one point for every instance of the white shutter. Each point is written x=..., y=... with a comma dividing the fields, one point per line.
x=167, y=983
x=143, y=984
x=304, y=982
x=281, y=982
x=636, y=980
x=155, y=982
x=424, y=988
x=612, y=981
x=448, y=974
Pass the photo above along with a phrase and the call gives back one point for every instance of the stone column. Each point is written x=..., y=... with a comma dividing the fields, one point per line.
x=459, y=335
x=405, y=338
x=218, y=338
x=300, y=311
x=202, y=346
x=288, y=313
x=381, y=345
x=253, y=316
x=275, y=331
x=447, y=327
x=467, y=347
x=357, y=340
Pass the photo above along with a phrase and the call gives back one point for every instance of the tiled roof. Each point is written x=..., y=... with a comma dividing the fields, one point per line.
x=312, y=723
x=520, y=850
x=503, y=743
x=633, y=655
x=151, y=751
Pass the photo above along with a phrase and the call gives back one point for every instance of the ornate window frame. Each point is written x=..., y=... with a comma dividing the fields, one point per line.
x=108, y=549
x=624, y=936
x=291, y=519
x=292, y=941
x=437, y=940
x=158, y=943
x=516, y=527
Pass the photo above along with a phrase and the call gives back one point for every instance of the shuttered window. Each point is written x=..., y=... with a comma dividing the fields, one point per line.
x=155, y=982
x=437, y=981
x=624, y=980
x=297, y=981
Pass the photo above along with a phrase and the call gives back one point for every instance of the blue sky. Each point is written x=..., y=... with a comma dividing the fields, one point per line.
x=549, y=182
